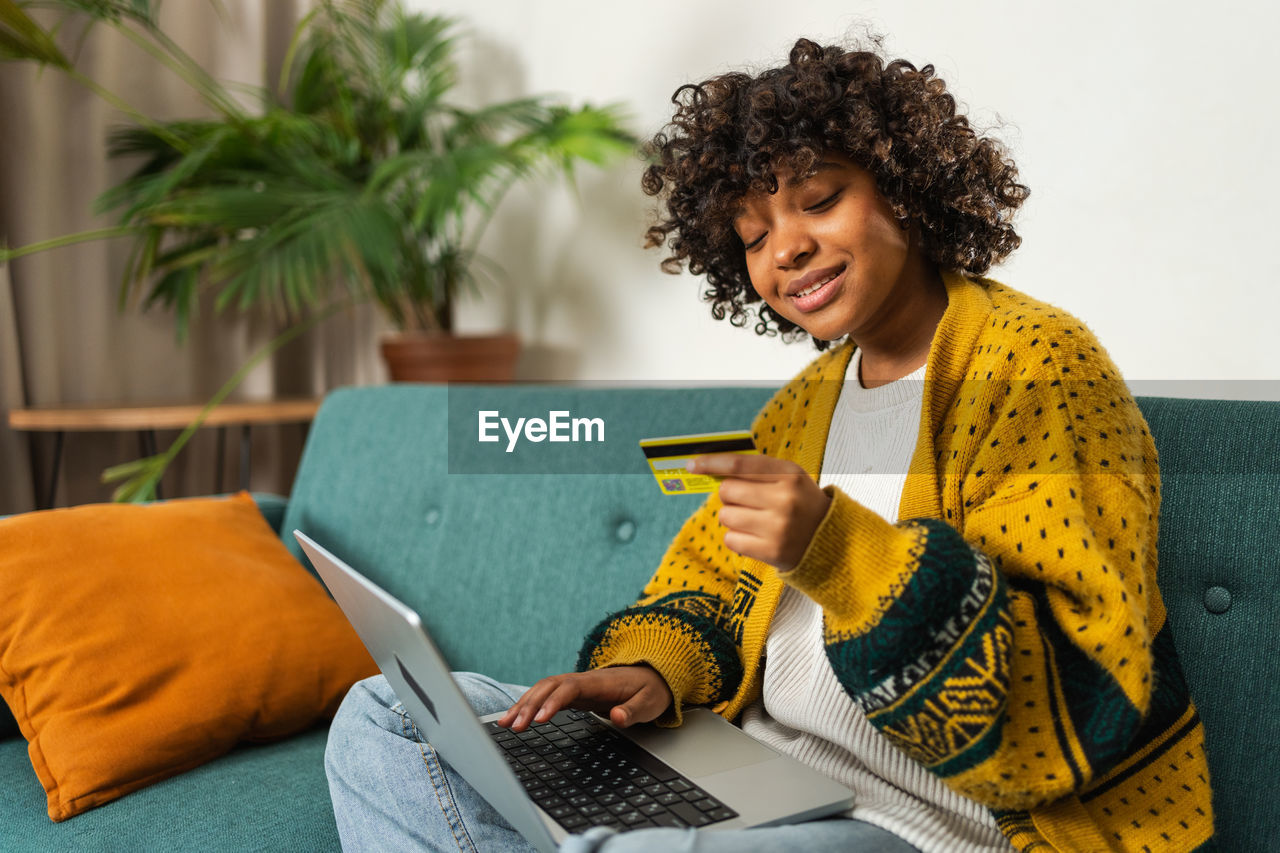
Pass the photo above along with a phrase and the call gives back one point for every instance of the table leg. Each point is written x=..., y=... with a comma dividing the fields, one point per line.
x=147, y=438
x=220, y=461
x=246, y=448
x=52, y=492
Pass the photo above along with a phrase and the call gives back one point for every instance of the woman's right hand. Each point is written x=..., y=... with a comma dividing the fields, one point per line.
x=626, y=694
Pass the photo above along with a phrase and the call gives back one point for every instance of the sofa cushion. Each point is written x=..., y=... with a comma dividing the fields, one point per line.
x=272, y=508
x=137, y=642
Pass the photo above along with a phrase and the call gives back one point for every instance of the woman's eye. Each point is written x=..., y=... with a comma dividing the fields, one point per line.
x=825, y=203
x=756, y=242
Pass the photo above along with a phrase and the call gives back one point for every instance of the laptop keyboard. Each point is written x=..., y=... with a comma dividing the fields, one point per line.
x=583, y=773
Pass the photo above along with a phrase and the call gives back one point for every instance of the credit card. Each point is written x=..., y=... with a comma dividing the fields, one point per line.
x=668, y=458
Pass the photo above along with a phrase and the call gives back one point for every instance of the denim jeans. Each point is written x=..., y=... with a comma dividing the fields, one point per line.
x=392, y=792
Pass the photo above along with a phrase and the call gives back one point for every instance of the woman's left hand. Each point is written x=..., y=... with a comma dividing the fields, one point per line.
x=771, y=506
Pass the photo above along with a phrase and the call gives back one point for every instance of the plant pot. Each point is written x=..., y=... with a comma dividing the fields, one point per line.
x=424, y=357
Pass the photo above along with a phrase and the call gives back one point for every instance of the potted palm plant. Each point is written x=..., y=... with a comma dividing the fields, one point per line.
x=356, y=179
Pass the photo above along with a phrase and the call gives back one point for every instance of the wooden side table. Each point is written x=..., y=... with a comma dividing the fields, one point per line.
x=147, y=419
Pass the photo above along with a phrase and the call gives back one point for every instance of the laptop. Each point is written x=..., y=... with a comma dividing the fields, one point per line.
x=578, y=770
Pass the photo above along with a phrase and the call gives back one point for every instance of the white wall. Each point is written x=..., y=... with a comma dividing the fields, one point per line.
x=1146, y=132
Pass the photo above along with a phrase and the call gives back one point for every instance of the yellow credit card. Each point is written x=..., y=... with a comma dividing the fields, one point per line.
x=668, y=458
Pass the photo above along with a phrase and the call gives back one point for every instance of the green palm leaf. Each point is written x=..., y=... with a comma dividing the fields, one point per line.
x=21, y=38
x=363, y=179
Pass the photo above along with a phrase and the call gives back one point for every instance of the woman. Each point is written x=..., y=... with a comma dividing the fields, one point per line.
x=937, y=581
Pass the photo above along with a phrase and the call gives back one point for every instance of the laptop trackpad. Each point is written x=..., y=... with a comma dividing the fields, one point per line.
x=704, y=744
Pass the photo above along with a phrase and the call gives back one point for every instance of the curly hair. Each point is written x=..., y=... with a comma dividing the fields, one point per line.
x=729, y=134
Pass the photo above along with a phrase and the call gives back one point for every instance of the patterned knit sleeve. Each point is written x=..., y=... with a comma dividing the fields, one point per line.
x=679, y=625
x=1012, y=653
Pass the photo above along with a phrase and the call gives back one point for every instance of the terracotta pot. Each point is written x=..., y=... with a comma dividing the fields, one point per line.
x=423, y=357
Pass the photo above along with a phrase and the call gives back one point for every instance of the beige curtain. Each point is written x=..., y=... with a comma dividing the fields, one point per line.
x=15, y=468
x=65, y=342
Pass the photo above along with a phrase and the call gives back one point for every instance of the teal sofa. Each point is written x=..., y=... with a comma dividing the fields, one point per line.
x=511, y=557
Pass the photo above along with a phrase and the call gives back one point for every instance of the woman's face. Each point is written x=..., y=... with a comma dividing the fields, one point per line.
x=826, y=252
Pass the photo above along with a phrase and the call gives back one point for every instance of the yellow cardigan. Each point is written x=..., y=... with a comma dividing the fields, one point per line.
x=1007, y=632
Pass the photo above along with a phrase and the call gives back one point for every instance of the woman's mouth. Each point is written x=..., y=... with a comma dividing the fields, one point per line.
x=818, y=288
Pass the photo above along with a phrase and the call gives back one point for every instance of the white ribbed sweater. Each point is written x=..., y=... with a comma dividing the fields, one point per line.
x=804, y=711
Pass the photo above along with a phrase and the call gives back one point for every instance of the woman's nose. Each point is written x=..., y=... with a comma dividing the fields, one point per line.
x=793, y=243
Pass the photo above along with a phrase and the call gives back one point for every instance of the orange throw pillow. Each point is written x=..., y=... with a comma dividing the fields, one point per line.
x=137, y=642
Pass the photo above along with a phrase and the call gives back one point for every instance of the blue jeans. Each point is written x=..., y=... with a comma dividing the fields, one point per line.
x=392, y=792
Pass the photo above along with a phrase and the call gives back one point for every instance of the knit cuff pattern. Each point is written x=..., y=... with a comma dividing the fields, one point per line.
x=693, y=654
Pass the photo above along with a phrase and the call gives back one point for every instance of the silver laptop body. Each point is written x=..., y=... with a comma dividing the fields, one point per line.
x=762, y=785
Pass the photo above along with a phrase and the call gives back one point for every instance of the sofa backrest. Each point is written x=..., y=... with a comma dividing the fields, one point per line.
x=1219, y=564
x=510, y=570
